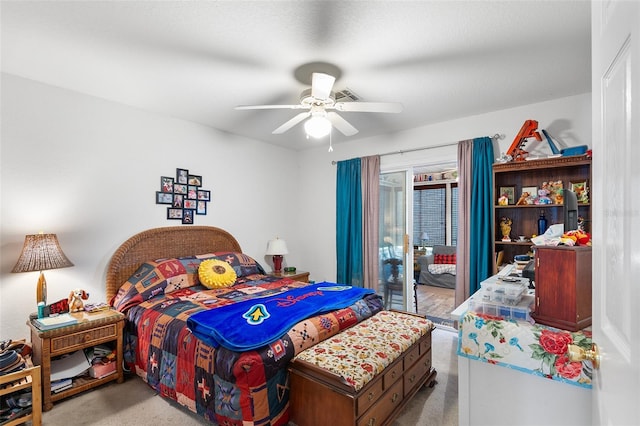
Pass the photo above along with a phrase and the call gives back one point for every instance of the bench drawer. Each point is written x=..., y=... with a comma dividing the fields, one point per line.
x=411, y=356
x=369, y=397
x=379, y=413
x=417, y=372
x=392, y=375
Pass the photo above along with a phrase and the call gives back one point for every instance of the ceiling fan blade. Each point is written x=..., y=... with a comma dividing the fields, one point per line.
x=289, y=124
x=321, y=85
x=271, y=107
x=341, y=124
x=368, y=106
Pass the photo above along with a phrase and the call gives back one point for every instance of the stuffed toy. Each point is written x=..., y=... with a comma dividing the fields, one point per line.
x=524, y=199
x=543, y=195
x=76, y=298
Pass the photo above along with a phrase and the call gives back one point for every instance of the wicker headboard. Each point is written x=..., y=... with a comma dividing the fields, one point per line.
x=159, y=243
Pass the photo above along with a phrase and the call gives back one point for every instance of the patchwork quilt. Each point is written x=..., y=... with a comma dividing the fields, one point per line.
x=229, y=387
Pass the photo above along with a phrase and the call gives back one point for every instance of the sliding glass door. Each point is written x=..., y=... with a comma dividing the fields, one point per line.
x=395, y=259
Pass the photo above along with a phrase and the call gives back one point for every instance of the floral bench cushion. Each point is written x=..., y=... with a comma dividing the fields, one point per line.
x=361, y=352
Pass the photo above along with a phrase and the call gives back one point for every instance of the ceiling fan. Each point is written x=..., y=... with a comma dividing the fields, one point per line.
x=320, y=104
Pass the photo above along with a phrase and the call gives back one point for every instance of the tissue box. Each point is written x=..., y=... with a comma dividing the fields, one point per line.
x=98, y=371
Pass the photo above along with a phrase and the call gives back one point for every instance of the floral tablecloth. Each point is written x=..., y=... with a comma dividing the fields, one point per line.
x=531, y=348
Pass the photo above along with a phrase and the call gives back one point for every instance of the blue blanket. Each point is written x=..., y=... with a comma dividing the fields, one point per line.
x=251, y=324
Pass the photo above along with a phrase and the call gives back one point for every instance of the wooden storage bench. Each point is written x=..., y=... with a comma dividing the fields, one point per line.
x=364, y=375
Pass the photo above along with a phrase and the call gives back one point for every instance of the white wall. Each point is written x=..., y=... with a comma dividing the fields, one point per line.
x=568, y=121
x=87, y=170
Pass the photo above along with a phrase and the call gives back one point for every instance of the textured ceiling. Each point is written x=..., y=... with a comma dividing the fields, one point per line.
x=198, y=60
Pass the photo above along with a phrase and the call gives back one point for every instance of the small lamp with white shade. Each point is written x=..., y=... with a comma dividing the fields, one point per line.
x=277, y=248
x=424, y=237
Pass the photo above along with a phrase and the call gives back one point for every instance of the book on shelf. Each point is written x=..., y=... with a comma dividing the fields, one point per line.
x=60, y=385
x=60, y=320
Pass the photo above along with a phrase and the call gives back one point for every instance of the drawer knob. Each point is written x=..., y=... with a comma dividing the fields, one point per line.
x=371, y=422
x=371, y=395
x=393, y=374
x=394, y=398
x=412, y=378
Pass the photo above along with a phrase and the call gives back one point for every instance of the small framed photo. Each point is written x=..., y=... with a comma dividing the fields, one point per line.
x=179, y=188
x=508, y=192
x=178, y=201
x=581, y=190
x=182, y=176
x=204, y=195
x=192, y=192
x=166, y=184
x=164, y=197
x=202, y=207
x=187, y=216
x=174, y=213
x=531, y=190
x=189, y=204
x=195, y=180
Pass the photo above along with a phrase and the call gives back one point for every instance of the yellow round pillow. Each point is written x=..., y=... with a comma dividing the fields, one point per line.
x=215, y=273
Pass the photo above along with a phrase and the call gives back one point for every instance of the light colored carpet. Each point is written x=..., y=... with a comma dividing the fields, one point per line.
x=135, y=403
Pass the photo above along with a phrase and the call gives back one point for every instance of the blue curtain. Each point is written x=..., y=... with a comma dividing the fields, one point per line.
x=349, y=222
x=480, y=227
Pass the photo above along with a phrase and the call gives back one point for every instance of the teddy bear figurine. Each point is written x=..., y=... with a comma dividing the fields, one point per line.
x=76, y=298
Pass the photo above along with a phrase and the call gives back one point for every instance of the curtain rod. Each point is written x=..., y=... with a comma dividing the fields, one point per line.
x=496, y=136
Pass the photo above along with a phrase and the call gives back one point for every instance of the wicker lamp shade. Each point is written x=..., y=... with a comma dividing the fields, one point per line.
x=41, y=252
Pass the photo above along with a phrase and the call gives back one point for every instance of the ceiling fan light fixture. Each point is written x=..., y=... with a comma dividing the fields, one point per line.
x=317, y=126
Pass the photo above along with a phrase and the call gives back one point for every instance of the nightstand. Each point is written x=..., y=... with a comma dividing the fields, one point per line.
x=91, y=329
x=297, y=276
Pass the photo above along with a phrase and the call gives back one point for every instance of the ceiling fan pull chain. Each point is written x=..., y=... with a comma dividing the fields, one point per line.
x=330, y=146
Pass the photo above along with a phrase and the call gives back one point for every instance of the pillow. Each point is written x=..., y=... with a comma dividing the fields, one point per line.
x=442, y=268
x=215, y=273
x=163, y=276
x=440, y=259
x=241, y=263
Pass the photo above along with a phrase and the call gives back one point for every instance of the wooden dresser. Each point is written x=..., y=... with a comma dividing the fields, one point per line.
x=320, y=397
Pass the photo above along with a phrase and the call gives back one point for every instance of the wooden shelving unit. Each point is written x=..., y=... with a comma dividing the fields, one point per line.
x=522, y=174
x=29, y=378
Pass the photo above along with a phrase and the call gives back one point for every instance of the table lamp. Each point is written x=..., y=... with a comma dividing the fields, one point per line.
x=277, y=248
x=40, y=253
x=424, y=237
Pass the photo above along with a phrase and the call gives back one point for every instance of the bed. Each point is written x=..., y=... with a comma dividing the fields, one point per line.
x=152, y=279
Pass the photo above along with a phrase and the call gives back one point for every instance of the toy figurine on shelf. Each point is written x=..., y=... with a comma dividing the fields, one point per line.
x=505, y=228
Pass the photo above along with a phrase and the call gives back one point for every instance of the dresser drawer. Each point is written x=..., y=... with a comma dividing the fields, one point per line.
x=394, y=373
x=369, y=396
x=425, y=344
x=416, y=373
x=380, y=411
x=411, y=357
x=63, y=344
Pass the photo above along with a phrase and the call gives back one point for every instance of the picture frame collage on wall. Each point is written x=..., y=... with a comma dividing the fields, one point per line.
x=184, y=196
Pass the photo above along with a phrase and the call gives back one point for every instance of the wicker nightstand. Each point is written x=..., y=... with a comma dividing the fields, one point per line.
x=92, y=329
x=297, y=276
